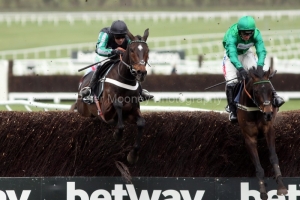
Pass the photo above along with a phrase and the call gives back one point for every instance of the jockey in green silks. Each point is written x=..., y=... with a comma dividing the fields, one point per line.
x=237, y=41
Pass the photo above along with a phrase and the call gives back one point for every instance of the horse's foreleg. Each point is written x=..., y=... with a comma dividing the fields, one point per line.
x=251, y=145
x=74, y=106
x=270, y=137
x=118, y=105
x=133, y=154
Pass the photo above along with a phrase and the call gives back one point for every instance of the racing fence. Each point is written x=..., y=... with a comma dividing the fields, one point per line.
x=174, y=144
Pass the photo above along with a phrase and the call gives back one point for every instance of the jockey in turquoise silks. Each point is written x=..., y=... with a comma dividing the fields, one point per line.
x=111, y=41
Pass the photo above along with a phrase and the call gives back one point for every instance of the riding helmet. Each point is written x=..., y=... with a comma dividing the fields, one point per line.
x=118, y=27
x=246, y=25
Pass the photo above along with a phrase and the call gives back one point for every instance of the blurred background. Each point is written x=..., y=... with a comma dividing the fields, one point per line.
x=58, y=37
x=145, y=5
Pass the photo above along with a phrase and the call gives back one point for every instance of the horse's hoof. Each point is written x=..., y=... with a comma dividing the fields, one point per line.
x=282, y=191
x=131, y=158
x=117, y=136
x=264, y=196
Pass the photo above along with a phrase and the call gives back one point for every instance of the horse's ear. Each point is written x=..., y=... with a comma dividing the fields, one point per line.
x=146, y=34
x=131, y=37
x=271, y=72
x=267, y=74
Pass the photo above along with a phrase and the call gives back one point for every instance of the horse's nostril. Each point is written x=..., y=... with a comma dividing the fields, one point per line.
x=138, y=72
x=268, y=116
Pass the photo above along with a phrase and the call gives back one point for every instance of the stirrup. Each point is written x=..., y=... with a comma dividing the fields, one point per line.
x=227, y=109
x=232, y=117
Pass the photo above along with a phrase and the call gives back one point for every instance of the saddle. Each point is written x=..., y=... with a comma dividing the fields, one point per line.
x=101, y=74
x=237, y=91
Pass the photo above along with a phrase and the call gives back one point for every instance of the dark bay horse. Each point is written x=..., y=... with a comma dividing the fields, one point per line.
x=256, y=115
x=119, y=101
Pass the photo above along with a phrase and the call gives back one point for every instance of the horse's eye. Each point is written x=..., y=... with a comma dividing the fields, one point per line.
x=131, y=50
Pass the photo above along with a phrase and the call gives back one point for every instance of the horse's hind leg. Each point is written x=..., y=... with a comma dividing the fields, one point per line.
x=118, y=105
x=270, y=137
x=251, y=145
x=133, y=155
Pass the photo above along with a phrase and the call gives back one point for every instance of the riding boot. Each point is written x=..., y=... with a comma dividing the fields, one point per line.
x=144, y=94
x=230, y=101
x=277, y=100
x=86, y=91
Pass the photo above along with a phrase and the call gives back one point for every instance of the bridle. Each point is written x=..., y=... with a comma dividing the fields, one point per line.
x=130, y=65
x=265, y=103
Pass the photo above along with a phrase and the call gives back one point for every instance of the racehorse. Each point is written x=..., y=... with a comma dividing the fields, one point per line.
x=256, y=115
x=119, y=101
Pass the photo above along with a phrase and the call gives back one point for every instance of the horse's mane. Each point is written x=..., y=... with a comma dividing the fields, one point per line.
x=138, y=37
x=258, y=72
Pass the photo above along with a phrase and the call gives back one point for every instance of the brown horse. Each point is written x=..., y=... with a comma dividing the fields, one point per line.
x=119, y=101
x=256, y=115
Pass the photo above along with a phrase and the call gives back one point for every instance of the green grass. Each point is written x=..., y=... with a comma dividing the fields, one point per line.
x=16, y=107
x=17, y=36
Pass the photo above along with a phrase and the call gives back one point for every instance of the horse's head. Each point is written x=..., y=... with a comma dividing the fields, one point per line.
x=137, y=55
x=262, y=90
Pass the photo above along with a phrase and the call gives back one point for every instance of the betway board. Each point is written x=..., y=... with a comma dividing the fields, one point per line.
x=141, y=188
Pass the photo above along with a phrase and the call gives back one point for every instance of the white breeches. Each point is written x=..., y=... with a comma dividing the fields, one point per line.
x=247, y=59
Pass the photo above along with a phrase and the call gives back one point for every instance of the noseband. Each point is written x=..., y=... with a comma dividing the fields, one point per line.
x=130, y=65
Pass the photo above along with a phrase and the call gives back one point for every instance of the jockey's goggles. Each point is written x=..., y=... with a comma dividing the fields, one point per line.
x=247, y=32
x=119, y=36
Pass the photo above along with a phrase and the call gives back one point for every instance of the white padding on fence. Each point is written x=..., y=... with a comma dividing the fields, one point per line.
x=32, y=96
x=158, y=96
x=3, y=79
x=46, y=106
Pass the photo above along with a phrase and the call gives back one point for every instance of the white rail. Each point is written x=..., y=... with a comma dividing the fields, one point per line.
x=158, y=96
x=46, y=107
x=27, y=105
x=194, y=45
x=3, y=79
x=87, y=17
x=70, y=67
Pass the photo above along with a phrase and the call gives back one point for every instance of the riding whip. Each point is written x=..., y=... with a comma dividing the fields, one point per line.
x=95, y=63
x=219, y=83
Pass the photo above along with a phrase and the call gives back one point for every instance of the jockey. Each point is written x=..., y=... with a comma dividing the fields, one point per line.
x=237, y=41
x=111, y=41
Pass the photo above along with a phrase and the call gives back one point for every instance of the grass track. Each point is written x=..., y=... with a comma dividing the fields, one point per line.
x=32, y=35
